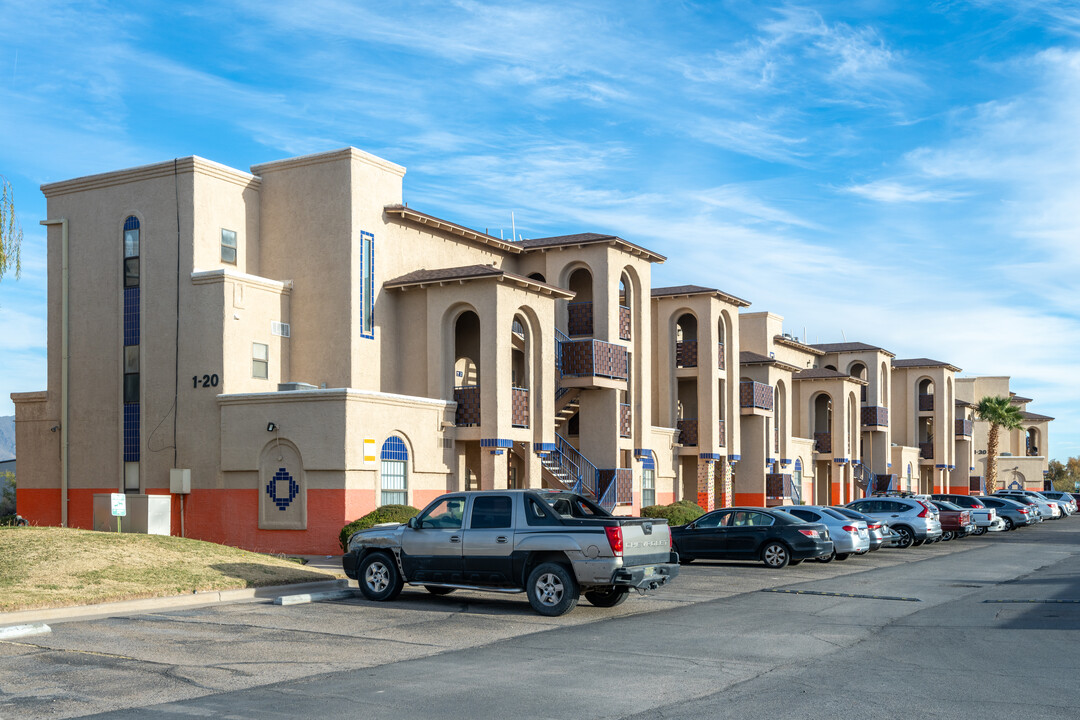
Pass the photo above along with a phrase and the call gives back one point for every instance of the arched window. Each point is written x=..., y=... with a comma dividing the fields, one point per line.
x=394, y=471
x=131, y=411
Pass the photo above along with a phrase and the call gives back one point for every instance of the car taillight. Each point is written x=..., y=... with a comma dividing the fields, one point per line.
x=851, y=528
x=614, y=538
x=925, y=509
x=875, y=526
x=670, y=540
x=810, y=533
x=1025, y=511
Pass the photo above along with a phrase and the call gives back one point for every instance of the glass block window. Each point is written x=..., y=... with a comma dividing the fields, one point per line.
x=260, y=360
x=131, y=316
x=131, y=432
x=131, y=477
x=131, y=337
x=648, y=487
x=367, y=260
x=228, y=246
x=393, y=472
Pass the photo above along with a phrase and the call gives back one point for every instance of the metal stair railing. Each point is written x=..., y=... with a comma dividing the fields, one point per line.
x=584, y=470
x=560, y=338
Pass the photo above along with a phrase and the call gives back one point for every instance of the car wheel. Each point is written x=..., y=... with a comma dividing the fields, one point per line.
x=379, y=577
x=552, y=589
x=980, y=531
x=436, y=590
x=775, y=555
x=907, y=538
x=827, y=558
x=842, y=556
x=1009, y=524
x=607, y=597
x=960, y=536
x=947, y=536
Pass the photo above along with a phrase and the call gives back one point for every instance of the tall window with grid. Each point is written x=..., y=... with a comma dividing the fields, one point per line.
x=648, y=482
x=131, y=381
x=394, y=472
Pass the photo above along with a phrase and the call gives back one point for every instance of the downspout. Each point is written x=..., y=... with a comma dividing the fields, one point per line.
x=63, y=223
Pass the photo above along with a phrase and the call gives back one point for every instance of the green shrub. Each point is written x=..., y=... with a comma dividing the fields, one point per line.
x=384, y=514
x=679, y=513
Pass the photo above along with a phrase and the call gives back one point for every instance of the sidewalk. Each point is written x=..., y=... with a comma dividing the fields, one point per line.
x=176, y=602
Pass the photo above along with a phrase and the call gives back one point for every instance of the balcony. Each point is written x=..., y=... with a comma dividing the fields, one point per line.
x=686, y=354
x=467, y=398
x=926, y=403
x=624, y=322
x=580, y=319
x=823, y=442
x=963, y=428
x=625, y=426
x=873, y=416
x=593, y=359
x=780, y=487
x=755, y=396
x=519, y=407
x=884, y=483
x=688, y=432
x=720, y=365
x=975, y=484
x=615, y=487
x=926, y=450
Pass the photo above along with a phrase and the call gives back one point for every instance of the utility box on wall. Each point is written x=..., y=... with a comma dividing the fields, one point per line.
x=147, y=514
x=180, y=481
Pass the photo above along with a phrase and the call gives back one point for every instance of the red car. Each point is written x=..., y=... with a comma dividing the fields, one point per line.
x=955, y=521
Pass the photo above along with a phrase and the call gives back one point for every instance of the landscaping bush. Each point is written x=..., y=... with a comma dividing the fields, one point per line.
x=679, y=513
x=384, y=514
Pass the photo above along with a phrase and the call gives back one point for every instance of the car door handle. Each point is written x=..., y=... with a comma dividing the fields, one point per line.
x=455, y=538
x=500, y=539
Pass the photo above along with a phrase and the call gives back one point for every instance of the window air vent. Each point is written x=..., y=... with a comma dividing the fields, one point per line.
x=279, y=328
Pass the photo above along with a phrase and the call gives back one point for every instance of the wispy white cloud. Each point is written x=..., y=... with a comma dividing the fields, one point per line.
x=891, y=191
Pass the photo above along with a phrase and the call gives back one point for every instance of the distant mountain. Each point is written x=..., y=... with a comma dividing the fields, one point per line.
x=7, y=437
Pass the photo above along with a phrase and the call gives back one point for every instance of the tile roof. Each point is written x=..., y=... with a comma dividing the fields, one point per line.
x=407, y=213
x=964, y=403
x=850, y=347
x=1034, y=416
x=793, y=343
x=752, y=358
x=923, y=362
x=471, y=272
x=1019, y=400
x=825, y=374
x=586, y=239
x=677, y=290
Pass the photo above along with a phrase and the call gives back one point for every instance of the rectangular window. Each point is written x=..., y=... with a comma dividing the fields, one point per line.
x=393, y=482
x=490, y=513
x=228, y=246
x=648, y=488
x=131, y=387
x=131, y=272
x=260, y=360
x=131, y=243
x=367, y=258
x=131, y=477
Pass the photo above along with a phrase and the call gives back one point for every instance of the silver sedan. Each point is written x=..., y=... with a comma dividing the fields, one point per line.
x=848, y=535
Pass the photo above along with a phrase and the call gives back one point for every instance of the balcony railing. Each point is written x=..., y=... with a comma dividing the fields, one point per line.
x=926, y=403
x=688, y=431
x=686, y=354
x=755, y=395
x=624, y=322
x=873, y=416
x=594, y=357
x=625, y=426
x=519, y=407
x=975, y=484
x=963, y=428
x=580, y=319
x=823, y=442
x=883, y=483
x=467, y=398
x=926, y=450
x=720, y=364
x=615, y=487
x=781, y=486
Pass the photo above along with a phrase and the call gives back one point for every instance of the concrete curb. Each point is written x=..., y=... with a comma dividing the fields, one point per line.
x=175, y=602
x=314, y=597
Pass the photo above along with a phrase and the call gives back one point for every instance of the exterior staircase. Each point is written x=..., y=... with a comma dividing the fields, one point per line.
x=864, y=479
x=566, y=406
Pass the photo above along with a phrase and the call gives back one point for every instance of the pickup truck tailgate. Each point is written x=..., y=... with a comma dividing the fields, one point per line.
x=645, y=541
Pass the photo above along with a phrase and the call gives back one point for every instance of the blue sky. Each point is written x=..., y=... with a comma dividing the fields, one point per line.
x=904, y=174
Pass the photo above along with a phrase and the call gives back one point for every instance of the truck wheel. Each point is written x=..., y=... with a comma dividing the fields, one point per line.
x=552, y=589
x=607, y=597
x=379, y=578
x=436, y=590
x=980, y=530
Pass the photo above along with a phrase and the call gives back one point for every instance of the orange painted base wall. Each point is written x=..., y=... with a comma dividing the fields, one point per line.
x=959, y=490
x=750, y=499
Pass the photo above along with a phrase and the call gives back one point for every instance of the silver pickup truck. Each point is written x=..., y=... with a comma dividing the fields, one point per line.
x=551, y=545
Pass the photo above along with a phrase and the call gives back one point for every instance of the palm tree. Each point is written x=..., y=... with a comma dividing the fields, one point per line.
x=1000, y=413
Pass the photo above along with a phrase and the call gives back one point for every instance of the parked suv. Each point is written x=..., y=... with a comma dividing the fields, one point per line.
x=915, y=521
x=1067, y=501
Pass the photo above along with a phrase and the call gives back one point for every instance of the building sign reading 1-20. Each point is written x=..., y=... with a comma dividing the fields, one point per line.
x=204, y=381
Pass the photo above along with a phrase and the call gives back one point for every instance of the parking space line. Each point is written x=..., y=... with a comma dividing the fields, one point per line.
x=1066, y=601
x=840, y=595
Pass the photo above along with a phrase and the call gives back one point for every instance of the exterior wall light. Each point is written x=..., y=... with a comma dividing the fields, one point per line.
x=271, y=427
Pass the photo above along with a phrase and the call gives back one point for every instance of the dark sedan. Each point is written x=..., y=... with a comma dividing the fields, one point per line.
x=1013, y=511
x=771, y=536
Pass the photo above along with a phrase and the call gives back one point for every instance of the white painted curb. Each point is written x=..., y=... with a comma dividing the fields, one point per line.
x=313, y=597
x=17, y=631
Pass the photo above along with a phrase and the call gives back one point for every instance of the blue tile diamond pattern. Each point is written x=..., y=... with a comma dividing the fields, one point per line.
x=131, y=432
x=291, y=489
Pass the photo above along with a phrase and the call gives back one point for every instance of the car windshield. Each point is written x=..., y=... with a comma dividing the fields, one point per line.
x=787, y=517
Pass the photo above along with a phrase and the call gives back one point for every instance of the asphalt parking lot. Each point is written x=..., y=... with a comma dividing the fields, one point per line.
x=712, y=639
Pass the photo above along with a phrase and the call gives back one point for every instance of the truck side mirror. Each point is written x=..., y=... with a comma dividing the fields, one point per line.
x=413, y=522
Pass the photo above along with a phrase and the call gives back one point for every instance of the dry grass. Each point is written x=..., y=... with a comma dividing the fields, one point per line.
x=43, y=567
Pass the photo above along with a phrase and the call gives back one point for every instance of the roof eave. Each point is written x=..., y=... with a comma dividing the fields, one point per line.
x=450, y=228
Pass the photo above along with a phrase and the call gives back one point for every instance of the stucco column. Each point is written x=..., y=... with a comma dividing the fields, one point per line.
x=706, y=479
x=493, y=468
x=534, y=469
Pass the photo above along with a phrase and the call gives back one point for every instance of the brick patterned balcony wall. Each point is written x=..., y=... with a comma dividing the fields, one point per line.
x=624, y=322
x=688, y=434
x=975, y=483
x=624, y=420
x=823, y=442
x=777, y=485
x=776, y=440
x=519, y=407
x=720, y=364
x=882, y=483
x=926, y=450
x=580, y=319
x=468, y=405
x=624, y=484
x=755, y=395
x=963, y=428
x=594, y=357
x=874, y=416
x=723, y=433
x=686, y=354
x=926, y=403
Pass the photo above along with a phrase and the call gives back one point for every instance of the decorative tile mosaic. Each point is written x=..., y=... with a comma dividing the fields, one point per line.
x=625, y=425
x=688, y=431
x=519, y=407
x=131, y=432
x=823, y=442
x=624, y=322
x=926, y=450
x=926, y=403
x=282, y=496
x=394, y=449
x=580, y=319
x=131, y=316
x=755, y=395
x=686, y=354
x=468, y=405
x=873, y=416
